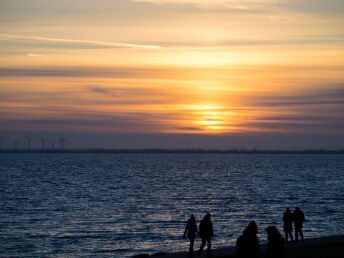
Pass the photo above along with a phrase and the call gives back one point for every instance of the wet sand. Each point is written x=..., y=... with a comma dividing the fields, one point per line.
x=323, y=247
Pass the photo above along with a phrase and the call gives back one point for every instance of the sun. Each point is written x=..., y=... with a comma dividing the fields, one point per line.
x=207, y=119
x=211, y=119
x=210, y=123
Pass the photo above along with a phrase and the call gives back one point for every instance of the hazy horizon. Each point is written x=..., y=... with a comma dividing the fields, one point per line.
x=173, y=141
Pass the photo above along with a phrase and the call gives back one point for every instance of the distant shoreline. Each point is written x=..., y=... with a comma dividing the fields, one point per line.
x=175, y=151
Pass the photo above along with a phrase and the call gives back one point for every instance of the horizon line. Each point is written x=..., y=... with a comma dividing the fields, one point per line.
x=176, y=151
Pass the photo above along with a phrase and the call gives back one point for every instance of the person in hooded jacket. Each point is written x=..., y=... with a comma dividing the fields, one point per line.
x=247, y=245
x=276, y=243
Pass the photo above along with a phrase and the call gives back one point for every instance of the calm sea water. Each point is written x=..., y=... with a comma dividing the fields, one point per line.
x=115, y=205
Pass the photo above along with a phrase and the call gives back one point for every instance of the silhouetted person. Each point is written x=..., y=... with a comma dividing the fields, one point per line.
x=190, y=231
x=299, y=218
x=206, y=232
x=247, y=245
x=276, y=243
x=288, y=224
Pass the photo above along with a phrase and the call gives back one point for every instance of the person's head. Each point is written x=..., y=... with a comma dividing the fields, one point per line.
x=287, y=209
x=192, y=217
x=207, y=216
x=273, y=233
x=297, y=209
x=251, y=228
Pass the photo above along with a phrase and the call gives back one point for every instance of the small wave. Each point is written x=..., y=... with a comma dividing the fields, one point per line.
x=119, y=250
x=82, y=236
x=335, y=199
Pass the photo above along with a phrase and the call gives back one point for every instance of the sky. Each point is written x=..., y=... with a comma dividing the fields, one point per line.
x=213, y=74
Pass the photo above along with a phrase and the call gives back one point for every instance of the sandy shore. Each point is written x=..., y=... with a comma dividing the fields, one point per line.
x=323, y=247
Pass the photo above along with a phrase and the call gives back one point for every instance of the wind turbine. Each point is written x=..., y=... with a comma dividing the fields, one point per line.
x=29, y=139
x=52, y=144
x=61, y=143
x=43, y=139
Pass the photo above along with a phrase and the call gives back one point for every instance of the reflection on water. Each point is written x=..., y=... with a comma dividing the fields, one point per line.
x=124, y=204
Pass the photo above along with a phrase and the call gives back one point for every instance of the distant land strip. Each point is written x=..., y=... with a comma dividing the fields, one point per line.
x=176, y=151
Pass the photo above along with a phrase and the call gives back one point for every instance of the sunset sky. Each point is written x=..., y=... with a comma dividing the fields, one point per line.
x=173, y=73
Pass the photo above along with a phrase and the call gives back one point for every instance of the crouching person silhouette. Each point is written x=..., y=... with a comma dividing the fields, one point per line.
x=276, y=243
x=190, y=231
x=247, y=245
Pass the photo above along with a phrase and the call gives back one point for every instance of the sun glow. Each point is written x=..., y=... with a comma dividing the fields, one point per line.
x=207, y=122
x=211, y=119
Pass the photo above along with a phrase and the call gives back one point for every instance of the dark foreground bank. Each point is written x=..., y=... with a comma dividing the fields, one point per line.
x=329, y=247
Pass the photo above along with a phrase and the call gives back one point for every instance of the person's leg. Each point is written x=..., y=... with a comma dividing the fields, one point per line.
x=202, y=246
x=191, y=246
x=301, y=233
x=209, y=247
x=291, y=235
x=296, y=234
x=286, y=235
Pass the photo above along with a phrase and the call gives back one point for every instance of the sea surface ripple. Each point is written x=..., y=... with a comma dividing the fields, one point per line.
x=118, y=205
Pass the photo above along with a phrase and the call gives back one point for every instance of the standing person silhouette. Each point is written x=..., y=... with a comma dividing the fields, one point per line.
x=247, y=245
x=288, y=224
x=190, y=231
x=299, y=218
x=206, y=232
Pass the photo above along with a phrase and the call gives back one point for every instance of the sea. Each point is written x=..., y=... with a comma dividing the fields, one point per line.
x=120, y=205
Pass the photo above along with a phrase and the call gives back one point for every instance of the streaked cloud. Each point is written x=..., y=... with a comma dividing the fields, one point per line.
x=101, y=90
x=171, y=99
x=34, y=55
x=315, y=6
x=231, y=4
x=324, y=95
x=116, y=72
x=78, y=42
x=38, y=42
x=298, y=6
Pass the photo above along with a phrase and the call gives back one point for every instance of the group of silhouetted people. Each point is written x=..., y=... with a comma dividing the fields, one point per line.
x=298, y=218
x=205, y=232
x=247, y=245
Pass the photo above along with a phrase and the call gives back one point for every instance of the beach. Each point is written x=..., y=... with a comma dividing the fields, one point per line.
x=322, y=247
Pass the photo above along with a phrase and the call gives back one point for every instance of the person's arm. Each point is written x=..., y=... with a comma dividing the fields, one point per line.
x=211, y=228
x=186, y=229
